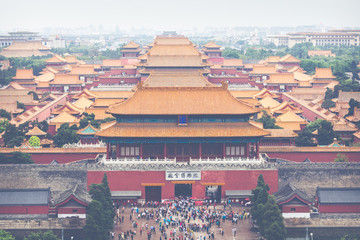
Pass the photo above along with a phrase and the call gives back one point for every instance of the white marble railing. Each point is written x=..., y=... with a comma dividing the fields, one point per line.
x=232, y=160
x=193, y=162
x=80, y=145
x=137, y=161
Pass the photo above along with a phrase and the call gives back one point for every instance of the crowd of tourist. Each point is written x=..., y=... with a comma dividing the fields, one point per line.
x=179, y=219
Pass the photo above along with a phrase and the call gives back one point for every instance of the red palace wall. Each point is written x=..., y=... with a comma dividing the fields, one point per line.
x=61, y=158
x=339, y=208
x=313, y=156
x=69, y=210
x=24, y=209
x=298, y=209
x=61, y=155
x=232, y=180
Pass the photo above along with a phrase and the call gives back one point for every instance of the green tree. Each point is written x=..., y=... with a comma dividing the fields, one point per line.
x=66, y=134
x=99, y=224
x=328, y=103
x=353, y=104
x=259, y=198
x=273, y=221
x=312, y=126
x=5, y=114
x=108, y=203
x=34, y=141
x=3, y=125
x=89, y=119
x=95, y=227
x=83, y=123
x=300, y=50
x=329, y=94
x=341, y=158
x=349, y=237
x=15, y=158
x=5, y=235
x=268, y=121
x=12, y=136
x=48, y=235
x=230, y=53
x=326, y=133
x=20, y=105
x=34, y=94
x=43, y=125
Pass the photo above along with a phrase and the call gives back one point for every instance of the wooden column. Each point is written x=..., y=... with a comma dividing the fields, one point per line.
x=117, y=150
x=257, y=149
x=141, y=150
x=164, y=150
x=247, y=149
x=108, y=151
x=224, y=150
x=200, y=154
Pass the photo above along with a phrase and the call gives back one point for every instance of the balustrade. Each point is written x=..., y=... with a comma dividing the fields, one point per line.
x=191, y=162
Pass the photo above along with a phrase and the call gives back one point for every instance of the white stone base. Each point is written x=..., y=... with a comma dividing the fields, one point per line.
x=71, y=215
x=296, y=215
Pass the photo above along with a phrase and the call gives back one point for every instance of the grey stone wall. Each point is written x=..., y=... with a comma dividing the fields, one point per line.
x=59, y=178
x=308, y=176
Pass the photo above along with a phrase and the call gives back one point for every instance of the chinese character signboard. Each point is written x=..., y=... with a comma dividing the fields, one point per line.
x=183, y=175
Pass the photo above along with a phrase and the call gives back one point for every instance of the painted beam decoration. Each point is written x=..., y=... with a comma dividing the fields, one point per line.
x=183, y=175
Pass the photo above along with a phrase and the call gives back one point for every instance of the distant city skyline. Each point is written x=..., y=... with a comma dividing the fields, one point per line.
x=175, y=15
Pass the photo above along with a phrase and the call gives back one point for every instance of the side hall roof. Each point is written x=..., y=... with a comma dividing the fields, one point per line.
x=24, y=196
x=338, y=195
x=212, y=44
x=36, y=132
x=24, y=74
x=323, y=73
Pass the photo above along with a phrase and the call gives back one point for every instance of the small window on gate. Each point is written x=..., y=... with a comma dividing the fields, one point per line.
x=293, y=209
x=74, y=210
x=182, y=120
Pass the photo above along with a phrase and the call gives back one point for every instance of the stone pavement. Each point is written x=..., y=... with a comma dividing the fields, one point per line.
x=242, y=228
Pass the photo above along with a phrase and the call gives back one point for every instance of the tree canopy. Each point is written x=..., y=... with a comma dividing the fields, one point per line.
x=5, y=235
x=5, y=114
x=13, y=136
x=48, y=235
x=268, y=121
x=15, y=158
x=100, y=214
x=266, y=212
x=66, y=134
x=34, y=141
x=341, y=158
x=325, y=134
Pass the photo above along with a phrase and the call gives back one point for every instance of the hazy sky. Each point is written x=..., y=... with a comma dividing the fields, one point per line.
x=174, y=15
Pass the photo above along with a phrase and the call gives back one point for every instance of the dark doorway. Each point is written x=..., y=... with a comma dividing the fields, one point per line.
x=183, y=190
x=182, y=151
x=153, y=193
x=213, y=193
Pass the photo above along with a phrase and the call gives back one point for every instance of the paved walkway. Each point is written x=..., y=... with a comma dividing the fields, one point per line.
x=242, y=228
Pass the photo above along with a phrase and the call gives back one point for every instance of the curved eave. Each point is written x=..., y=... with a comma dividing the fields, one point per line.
x=172, y=130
